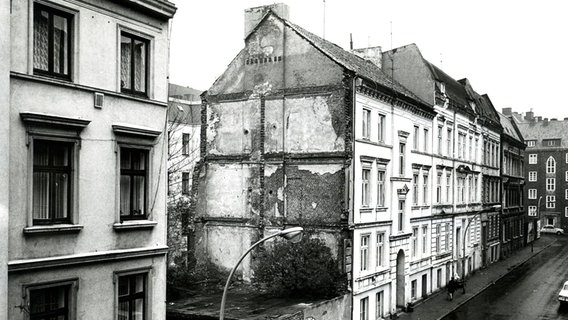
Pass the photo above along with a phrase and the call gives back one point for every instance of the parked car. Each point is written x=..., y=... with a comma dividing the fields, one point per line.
x=563, y=294
x=551, y=229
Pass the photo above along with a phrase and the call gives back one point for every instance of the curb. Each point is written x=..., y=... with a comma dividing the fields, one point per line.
x=492, y=283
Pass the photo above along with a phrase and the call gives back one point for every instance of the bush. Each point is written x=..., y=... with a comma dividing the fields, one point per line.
x=304, y=269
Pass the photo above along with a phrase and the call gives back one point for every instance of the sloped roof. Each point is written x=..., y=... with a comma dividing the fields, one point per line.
x=350, y=61
x=184, y=93
x=454, y=90
x=539, y=130
x=509, y=127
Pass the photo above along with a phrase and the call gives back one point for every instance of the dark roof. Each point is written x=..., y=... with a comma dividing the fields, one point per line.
x=354, y=63
x=509, y=127
x=541, y=130
x=184, y=113
x=454, y=90
x=184, y=93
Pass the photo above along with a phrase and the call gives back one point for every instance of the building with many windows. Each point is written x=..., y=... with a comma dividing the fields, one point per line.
x=85, y=101
x=546, y=169
x=401, y=178
x=514, y=218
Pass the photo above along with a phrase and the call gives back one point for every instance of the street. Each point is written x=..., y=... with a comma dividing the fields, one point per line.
x=528, y=292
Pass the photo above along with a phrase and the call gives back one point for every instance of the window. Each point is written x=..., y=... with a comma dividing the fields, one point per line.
x=380, y=249
x=438, y=235
x=133, y=64
x=50, y=303
x=532, y=176
x=532, y=211
x=365, y=252
x=364, y=309
x=414, y=246
x=439, y=278
x=415, y=140
x=365, y=189
x=52, y=169
x=381, y=128
x=566, y=194
x=449, y=146
x=550, y=165
x=380, y=188
x=185, y=183
x=52, y=42
x=425, y=186
x=533, y=158
x=132, y=296
x=440, y=131
x=531, y=143
x=401, y=205
x=366, y=124
x=566, y=158
x=550, y=184
x=470, y=148
x=550, y=202
x=415, y=189
x=532, y=193
x=439, y=188
x=566, y=212
x=424, y=238
x=379, y=307
x=133, y=183
x=447, y=243
x=566, y=175
x=402, y=149
x=449, y=187
x=185, y=144
x=426, y=138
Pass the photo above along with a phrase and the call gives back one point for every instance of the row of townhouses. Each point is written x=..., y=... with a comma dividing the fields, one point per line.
x=84, y=98
x=410, y=176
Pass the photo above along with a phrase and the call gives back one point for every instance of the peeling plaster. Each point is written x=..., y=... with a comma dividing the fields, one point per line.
x=320, y=169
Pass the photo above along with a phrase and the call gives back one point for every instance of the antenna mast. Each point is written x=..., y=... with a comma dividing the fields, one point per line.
x=324, y=19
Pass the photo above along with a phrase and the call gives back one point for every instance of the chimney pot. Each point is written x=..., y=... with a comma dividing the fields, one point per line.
x=254, y=15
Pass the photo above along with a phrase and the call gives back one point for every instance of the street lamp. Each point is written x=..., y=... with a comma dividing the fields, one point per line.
x=469, y=221
x=291, y=234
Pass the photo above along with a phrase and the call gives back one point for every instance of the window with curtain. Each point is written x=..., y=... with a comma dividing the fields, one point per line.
x=185, y=183
x=132, y=297
x=52, y=41
x=133, y=64
x=133, y=184
x=49, y=303
x=52, y=168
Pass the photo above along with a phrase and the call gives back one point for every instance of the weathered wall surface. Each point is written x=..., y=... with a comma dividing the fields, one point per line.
x=337, y=308
x=275, y=143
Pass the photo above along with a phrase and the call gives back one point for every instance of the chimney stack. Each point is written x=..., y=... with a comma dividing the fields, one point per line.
x=373, y=54
x=529, y=116
x=254, y=15
x=508, y=111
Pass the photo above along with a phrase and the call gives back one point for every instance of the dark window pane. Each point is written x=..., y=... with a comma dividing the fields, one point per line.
x=138, y=196
x=49, y=303
x=124, y=195
x=61, y=192
x=41, y=195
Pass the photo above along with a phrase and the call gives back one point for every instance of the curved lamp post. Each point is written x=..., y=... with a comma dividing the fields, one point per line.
x=290, y=234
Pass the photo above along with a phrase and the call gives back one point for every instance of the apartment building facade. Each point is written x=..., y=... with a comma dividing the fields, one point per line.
x=546, y=169
x=87, y=177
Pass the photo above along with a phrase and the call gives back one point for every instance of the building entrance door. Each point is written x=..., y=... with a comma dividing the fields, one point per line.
x=400, y=279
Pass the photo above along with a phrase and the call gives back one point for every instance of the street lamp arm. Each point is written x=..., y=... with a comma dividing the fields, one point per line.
x=287, y=233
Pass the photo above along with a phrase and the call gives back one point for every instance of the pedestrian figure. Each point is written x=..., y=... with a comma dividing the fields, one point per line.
x=451, y=289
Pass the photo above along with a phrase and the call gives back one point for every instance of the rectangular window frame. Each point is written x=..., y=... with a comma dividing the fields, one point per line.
x=381, y=174
x=532, y=193
x=380, y=250
x=381, y=128
x=146, y=272
x=364, y=251
x=532, y=176
x=135, y=35
x=135, y=173
x=550, y=184
x=67, y=14
x=366, y=185
x=71, y=286
x=533, y=158
x=366, y=124
x=185, y=183
x=550, y=202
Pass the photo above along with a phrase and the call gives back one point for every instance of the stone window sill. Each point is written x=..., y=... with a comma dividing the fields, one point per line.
x=56, y=228
x=134, y=225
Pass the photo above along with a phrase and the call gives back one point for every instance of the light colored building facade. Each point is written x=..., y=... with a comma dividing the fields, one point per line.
x=87, y=173
x=184, y=130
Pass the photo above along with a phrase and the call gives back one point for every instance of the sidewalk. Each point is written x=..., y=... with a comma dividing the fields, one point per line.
x=437, y=306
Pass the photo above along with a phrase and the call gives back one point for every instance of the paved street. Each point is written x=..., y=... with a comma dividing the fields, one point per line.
x=528, y=292
x=508, y=270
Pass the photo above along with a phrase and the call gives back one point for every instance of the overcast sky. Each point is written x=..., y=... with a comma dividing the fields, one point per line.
x=514, y=51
